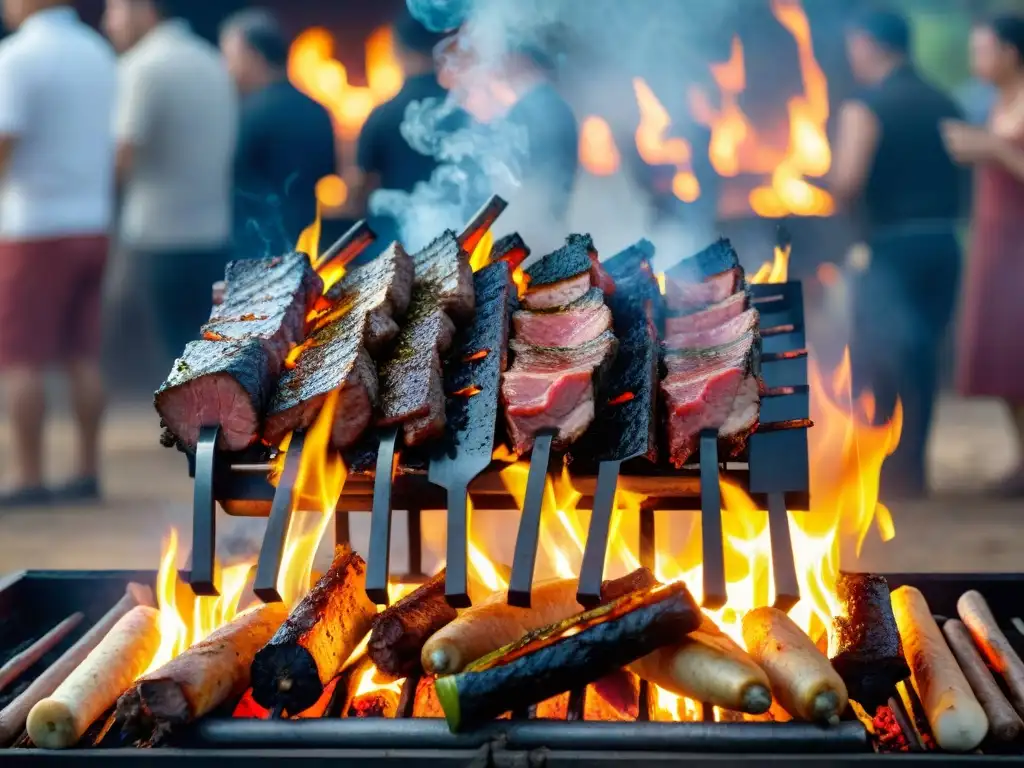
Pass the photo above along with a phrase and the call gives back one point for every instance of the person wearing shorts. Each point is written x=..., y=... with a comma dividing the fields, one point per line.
x=57, y=89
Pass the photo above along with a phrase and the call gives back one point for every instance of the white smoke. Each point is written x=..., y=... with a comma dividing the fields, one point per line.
x=665, y=41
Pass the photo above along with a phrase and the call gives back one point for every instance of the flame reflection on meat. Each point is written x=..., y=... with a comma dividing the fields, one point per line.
x=598, y=153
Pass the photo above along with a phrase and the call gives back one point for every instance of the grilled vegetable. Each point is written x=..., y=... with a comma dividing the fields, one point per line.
x=864, y=644
x=317, y=638
x=957, y=720
x=568, y=654
x=1004, y=723
x=708, y=666
x=989, y=638
x=802, y=679
x=58, y=721
x=489, y=625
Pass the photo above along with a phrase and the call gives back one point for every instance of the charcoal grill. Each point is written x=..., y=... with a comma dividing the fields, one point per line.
x=32, y=601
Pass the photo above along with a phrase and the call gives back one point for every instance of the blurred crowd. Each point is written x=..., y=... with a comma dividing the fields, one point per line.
x=215, y=155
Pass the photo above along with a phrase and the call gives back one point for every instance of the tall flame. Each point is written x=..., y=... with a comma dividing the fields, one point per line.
x=598, y=153
x=314, y=70
x=776, y=270
x=736, y=147
x=481, y=255
x=656, y=148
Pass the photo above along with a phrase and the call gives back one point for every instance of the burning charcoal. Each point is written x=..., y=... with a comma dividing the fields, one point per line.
x=323, y=630
x=574, y=652
x=864, y=644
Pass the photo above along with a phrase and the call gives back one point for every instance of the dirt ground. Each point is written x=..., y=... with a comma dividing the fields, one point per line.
x=148, y=491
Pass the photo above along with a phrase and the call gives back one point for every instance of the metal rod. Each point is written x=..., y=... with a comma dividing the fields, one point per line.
x=481, y=222
x=647, y=547
x=378, y=559
x=349, y=245
x=456, y=577
x=423, y=733
x=576, y=711
x=414, y=532
x=713, y=546
x=527, y=540
x=204, y=514
x=787, y=588
x=342, y=533
x=268, y=567
x=595, y=550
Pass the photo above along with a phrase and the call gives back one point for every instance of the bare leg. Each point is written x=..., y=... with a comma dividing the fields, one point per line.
x=26, y=408
x=88, y=398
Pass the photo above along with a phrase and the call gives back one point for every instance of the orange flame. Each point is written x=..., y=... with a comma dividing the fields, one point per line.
x=598, y=153
x=736, y=148
x=655, y=149
x=481, y=255
x=522, y=281
x=314, y=70
x=776, y=270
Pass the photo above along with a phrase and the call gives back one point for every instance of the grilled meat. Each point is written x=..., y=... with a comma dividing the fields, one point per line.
x=382, y=289
x=727, y=332
x=717, y=258
x=727, y=400
x=595, y=354
x=334, y=358
x=577, y=323
x=709, y=317
x=337, y=354
x=266, y=300
x=559, y=278
x=226, y=383
x=444, y=267
x=741, y=353
x=682, y=297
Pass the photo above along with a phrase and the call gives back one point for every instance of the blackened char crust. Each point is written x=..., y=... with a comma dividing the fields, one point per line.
x=718, y=257
x=569, y=261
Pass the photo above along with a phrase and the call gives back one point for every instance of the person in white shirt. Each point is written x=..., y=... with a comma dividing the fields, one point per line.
x=176, y=128
x=58, y=80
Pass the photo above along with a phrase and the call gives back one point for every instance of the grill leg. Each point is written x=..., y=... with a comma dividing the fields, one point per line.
x=342, y=533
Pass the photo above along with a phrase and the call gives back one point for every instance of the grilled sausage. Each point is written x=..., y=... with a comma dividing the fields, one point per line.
x=978, y=618
x=708, y=666
x=802, y=678
x=956, y=718
x=58, y=722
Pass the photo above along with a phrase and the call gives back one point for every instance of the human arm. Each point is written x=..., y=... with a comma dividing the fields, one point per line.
x=134, y=114
x=14, y=107
x=856, y=143
x=969, y=144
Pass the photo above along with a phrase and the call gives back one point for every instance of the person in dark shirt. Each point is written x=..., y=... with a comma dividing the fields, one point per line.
x=892, y=166
x=384, y=157
x=286, y=140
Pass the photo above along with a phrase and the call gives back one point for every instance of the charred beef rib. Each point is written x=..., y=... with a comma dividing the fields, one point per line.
x=712, y=355
x=412, y=383
x=563, y=339
x=338, y=354
x=227, y=377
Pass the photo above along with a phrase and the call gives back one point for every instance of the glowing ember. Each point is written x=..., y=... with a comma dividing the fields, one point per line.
x=480, y=354
x=212, y=336
x=469, y=391
x=656, y=149
x=314, y=70
x=598, y=153
x=776, y=270
x=370, y=681
x=625, y=397
x=481, y=255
